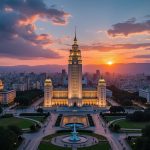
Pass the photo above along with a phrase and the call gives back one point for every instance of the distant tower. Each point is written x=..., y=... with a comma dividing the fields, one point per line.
x=75, y=75
x=1, y=85
x=48, y=93
x=101, y=92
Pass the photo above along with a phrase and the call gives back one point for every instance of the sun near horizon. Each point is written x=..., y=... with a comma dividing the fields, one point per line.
x=109, y=62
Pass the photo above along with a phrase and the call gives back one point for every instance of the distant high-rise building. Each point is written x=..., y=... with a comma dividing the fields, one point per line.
x=19, y=86
x=145, y=93
x=6, y=96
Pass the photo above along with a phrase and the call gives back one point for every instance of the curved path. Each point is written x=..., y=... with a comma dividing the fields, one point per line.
x=33, y=140
x=26, y=117
x=110, y=122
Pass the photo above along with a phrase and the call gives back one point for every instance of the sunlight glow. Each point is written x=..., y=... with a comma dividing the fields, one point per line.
x=109, y=62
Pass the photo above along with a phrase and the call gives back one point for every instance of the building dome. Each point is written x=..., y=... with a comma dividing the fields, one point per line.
x=101, y=82
x=48, y=82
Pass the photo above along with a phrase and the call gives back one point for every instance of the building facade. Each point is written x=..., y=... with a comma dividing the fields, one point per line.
x=75, y=95
x=145, y=93
x=6, y=96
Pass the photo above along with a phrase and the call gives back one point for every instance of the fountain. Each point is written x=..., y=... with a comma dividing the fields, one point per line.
x=74, y=135
x=74, y=138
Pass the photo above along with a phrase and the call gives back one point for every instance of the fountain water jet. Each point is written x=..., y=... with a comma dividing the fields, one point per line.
x=74, y=135
x=74, y=138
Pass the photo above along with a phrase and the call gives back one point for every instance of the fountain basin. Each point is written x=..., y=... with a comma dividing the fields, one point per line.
x=71, y=125
x=82, y=139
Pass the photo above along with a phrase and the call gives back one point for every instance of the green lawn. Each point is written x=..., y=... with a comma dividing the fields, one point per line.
x=99, y=146
x=46, y=144
x=22, y=123
x=111, y=118
x=131, y=125
x=49, y=146
x=37, y=118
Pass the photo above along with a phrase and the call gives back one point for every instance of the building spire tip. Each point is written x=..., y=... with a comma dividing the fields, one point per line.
x=75, y=37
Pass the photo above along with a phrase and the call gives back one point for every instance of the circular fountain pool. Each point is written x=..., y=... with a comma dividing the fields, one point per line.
x=81, y=139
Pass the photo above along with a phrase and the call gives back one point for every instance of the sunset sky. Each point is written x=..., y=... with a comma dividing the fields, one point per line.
x=38, y=32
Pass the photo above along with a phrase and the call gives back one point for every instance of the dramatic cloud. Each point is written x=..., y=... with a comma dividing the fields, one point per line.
x=106, y=48
x=17, y=28
x=21, y=49
x=129, y=27
x=142, y=56
x=29, y=9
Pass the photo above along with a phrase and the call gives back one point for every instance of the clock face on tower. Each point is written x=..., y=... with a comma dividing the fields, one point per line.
x=74, y=62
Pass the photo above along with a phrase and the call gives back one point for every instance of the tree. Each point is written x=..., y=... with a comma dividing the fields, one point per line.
x=15, y=129
x=1, y=109
x=8, y=139
x=143, y=142
x=33, y=128
x=25, y=98
x=116, y=127
x=115, y=109
x=139, y=116
x=146, y=131
x=40, y=110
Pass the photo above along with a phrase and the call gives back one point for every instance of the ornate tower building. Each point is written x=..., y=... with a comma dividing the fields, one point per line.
x=75, y=75
x=75, y=94
x=101, y=93
x=48, y=93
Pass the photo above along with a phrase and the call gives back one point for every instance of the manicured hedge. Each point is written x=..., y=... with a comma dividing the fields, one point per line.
x=58, y=121
x=113, y=114
x=35, y=114
x=91, y=122
x=7, y=116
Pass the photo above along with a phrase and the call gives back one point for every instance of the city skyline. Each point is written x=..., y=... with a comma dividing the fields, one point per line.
x=40, y=32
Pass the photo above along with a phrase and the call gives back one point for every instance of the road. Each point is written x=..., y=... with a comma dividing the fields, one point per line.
x=116, y=140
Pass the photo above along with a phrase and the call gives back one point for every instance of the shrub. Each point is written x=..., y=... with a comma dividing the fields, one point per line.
x=90, y=119
x=35, y=114
x=7, y=116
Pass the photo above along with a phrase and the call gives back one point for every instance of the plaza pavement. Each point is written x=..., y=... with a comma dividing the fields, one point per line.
x=32, y=140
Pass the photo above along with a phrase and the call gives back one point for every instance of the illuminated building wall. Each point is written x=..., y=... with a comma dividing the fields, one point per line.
x=75, y=76
x=7, y=97
x=75, y=95
x=48, y=93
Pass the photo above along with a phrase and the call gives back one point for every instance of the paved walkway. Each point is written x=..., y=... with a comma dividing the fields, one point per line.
x=33, y=140
x=114, y=139
x=115, y=120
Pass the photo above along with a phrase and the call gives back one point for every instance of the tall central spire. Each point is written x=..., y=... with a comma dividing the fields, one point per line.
x=75, y=37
